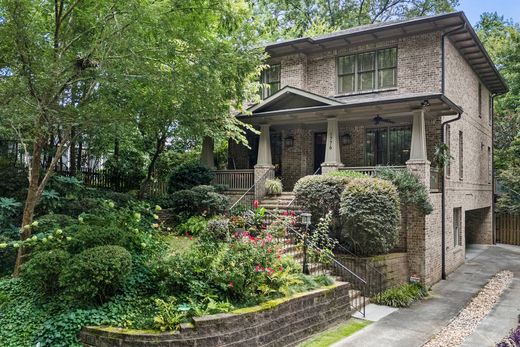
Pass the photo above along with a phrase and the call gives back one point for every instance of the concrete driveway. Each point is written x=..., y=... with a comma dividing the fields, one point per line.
x=415, y=325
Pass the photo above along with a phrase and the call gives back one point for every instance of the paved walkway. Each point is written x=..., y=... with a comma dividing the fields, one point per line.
x=412, y=327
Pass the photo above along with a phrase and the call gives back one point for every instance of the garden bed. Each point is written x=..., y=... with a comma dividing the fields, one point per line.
x=285, y=321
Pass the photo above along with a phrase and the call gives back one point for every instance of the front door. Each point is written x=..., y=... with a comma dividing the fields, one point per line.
x=320, y=142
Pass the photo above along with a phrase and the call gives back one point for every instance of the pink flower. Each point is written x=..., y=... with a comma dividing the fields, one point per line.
x=292, y=213
x=285, y=213
x=255, y=204
x=230, y=284
x=257, y=268
x=191, y=238
x=278, y=257
x=281, y=268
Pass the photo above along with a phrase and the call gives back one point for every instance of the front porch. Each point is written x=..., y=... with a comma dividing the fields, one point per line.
x=324, y=136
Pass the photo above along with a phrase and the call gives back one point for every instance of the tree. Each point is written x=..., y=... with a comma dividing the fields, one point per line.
x=297, y=18
x=78, y=67
x=502, y=39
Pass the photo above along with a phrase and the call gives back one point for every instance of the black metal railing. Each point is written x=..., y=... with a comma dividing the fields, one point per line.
x=246, y=200
x=317, y=261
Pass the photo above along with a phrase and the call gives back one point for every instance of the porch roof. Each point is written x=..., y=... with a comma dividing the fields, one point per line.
x=292, y=105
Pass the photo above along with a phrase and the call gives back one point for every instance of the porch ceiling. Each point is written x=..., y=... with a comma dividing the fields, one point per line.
x=359, y=111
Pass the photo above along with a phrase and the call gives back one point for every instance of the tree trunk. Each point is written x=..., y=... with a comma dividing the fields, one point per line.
x=33, y=195
x=159, y=148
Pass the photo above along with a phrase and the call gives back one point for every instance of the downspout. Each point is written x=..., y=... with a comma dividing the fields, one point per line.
x=493, y=183
x=443, y=202
x=443, y=128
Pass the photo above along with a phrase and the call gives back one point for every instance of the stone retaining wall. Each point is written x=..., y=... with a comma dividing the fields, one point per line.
x=284, y=322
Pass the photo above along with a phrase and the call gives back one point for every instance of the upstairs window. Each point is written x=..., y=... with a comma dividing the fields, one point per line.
x=457, y=226
x=270, y=80
x=367, y=71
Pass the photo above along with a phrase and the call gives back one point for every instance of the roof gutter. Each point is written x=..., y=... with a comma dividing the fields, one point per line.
x=493, y=182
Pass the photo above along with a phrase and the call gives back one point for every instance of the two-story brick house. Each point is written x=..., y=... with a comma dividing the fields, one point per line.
x=384, y=94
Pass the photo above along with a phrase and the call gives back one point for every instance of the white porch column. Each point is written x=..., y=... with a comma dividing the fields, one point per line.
x=418, y=163
x=332, y=149
x=264, y=168
x=418, y=147
x=207, y=157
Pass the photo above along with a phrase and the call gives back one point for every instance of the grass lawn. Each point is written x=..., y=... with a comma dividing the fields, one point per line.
x=179, y=244
x=335, y=334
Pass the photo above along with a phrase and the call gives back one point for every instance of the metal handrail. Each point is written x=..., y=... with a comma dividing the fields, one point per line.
x=362, y=282
x=247, y=191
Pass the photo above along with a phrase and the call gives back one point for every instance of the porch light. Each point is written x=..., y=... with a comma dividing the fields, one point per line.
x=426, y=105
x=306, y=218
x=289, y=141
x=346, y=139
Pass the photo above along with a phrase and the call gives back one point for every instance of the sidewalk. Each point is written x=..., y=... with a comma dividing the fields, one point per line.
x=412, y=327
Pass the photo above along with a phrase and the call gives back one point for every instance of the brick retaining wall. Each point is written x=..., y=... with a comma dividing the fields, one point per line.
x=285, y=324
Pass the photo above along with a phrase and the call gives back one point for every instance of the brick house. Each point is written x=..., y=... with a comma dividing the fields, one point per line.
x=383, y=94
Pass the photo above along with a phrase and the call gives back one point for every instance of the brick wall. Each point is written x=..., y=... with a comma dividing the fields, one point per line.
x=284, y=325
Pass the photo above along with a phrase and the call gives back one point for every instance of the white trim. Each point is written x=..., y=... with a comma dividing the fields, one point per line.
x=296, y=91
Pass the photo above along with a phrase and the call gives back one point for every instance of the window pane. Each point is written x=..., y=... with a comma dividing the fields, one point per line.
x=274, y=87
x=366, y=61
x=346, y=83
x=387, y=78
x=366, y=80
x=387, y=58
x=400, y=141
x=346, y=65
x=273, y=74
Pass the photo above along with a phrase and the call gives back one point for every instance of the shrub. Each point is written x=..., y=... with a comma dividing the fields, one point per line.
x=320, y=194
x=87, y=236
x=78, y=206
x=14, y=180
x=402, y=296
x=371, y=212
x=411, y=191
x=10, y=211
x=273, y=186
x=96, y=274
x=67, y=186
x=50, y=222
x=188, y=175
x=217, y=231
x=42, y=271
x=346, y=174
x=120, y=199
x=197, y=201
x=7, y=254
x=195, y=226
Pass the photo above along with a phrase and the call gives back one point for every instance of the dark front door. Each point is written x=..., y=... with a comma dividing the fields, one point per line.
x=320, y=142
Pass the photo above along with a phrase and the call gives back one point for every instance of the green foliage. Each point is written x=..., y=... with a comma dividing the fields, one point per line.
x=43, y=270
x=193, y=226
x=196, y=201
x=96, y=274
x=320, y=194
x=402, y=296
x=217, y=231
x=273, y=186
x=67, y=187
x=320, y=239
x=128, y=166
x=346, y=173
x=168, y=317
x=50, y=201
x=441, y=156
x=50, y=222
x=188, y=175
x=371, y=211
x=411, y=191
x=14, y=180
x=86, y=236
x=9, y=210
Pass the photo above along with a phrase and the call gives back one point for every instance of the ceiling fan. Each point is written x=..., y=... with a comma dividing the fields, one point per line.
x=378, y=119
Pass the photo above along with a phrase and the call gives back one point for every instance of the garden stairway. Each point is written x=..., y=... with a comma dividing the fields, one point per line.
x=282, y=202
x=356, y=298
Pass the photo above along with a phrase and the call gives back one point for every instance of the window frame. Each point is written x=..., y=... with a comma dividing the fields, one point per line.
x=266, y=92
x=357, y=73
x=480, y=100
x=457, y=226
x=461, y=155
x=388, y=146
x=448, y=144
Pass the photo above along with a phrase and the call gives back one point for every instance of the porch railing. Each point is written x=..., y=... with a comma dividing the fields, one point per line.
x=235, y=179
x=370, y=170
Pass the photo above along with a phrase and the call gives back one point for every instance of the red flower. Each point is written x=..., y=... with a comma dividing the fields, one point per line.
x=187, y=234
x=278, y=257
x=230, y=284
x=285, y=213
x=281, y=268
x=292, y=213
x=255, y=204
x=257, y=268
x=191, y=238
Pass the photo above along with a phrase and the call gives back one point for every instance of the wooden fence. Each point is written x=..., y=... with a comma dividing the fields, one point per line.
x=235, y=179
x=102, y=179
x=508, y=228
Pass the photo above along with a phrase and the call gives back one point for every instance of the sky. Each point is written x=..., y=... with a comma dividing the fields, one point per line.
x=510, y=9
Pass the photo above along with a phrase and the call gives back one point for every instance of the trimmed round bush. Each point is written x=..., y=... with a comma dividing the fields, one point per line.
x=96, y=274
x=88, y=236
x=320, y=194
x=188, y=175
x=43, y=270
x=371, y=213
x=346, y=174
x=198, y=200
